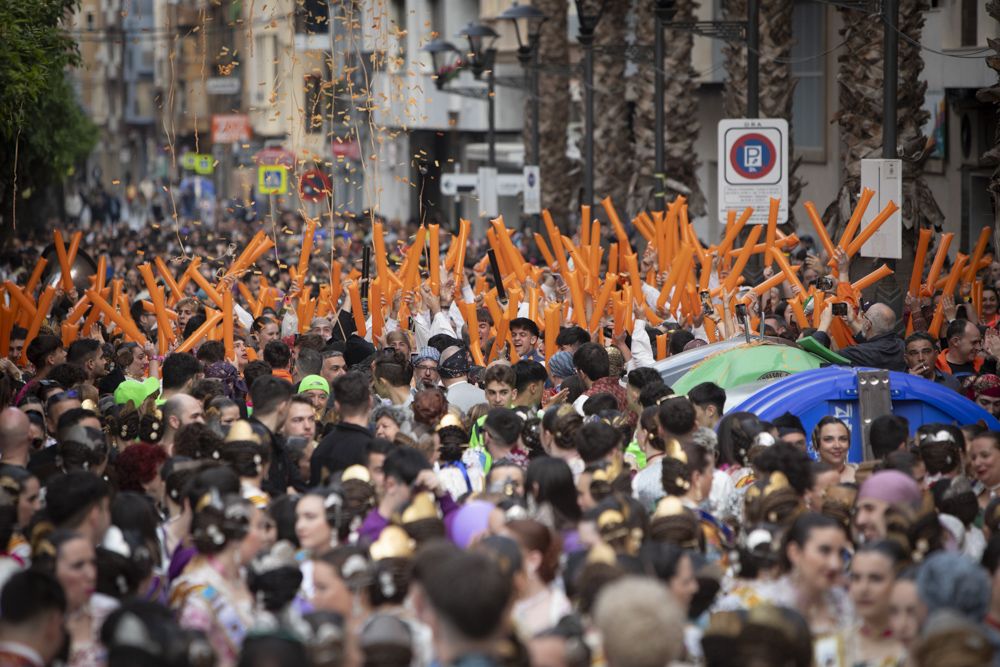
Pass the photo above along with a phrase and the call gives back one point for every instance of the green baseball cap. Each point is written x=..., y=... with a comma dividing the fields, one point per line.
x=137, y=392
x=311, y=382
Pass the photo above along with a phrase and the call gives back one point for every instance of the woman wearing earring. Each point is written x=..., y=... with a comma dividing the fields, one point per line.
x=869, y=642
x=211, y=595
x=812, y=562
x=831, y=440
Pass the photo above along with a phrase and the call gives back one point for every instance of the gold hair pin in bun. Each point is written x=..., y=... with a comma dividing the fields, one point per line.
x=777, y=480
x=675, y=451
x=241, y=431
x=358, y=472
x=392, y=543
x=449, y=419
x=603, y=554
x=669, y=506
x=421, y=507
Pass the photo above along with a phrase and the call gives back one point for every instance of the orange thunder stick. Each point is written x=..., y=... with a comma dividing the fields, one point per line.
x=919, y=261
x=942, y=254
x=820, y=228
x=872, y=227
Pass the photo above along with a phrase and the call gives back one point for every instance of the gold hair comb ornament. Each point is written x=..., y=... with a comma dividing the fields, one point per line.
x=776, y=481
x=421, y=507
x=392, y=543
x=675, y=451
x=669, y=506
x=357, y=472
x=603, y=554
x=449, y=419
x=241, y=431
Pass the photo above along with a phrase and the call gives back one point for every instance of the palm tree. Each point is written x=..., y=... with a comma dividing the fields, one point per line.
x=992, y=94
x=777, y=83
x=860, y=124
x=559, y=180
x=681, y=115
x=612, y=143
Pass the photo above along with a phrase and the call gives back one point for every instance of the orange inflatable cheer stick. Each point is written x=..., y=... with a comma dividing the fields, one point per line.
x=771, y=282
x=855, y=221
x=872, y=278
x=919, y=261
x=36, y=275
x=64, y=264
x=772, y=226
x=942, y=253
x=354, y=291
x=227, y=323
x=434, y=261
x=201, y=332
x=820, y=228
x=872, y=227
x=616, y=223
x=602, y=300
x=977, y=254
x=44, y=303
x=733, y=231
x=307, y=247
x=176, y=291
x=742, y=259
x=127, y=326
x=203, y=283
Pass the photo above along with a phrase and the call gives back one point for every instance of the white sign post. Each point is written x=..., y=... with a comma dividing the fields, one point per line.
x=753, y=167
x=489, y=206
x=885, y=177
x=532, y=190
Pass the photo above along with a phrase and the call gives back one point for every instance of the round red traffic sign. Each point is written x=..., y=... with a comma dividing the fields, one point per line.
x=314, y=186
x=753, y=156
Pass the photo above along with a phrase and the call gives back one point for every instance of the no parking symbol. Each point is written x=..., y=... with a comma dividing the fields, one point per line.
x=753, y=166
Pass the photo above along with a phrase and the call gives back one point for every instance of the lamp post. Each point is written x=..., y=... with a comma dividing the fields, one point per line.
x=528, y=22
x=589, y=16
x=665, y=11
x=483, y=58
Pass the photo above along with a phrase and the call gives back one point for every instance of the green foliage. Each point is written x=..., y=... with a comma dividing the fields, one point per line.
x=39, y=115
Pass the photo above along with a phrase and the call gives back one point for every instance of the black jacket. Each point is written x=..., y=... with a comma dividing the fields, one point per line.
x=345, y=445
x=885, y=351
x=282, y=473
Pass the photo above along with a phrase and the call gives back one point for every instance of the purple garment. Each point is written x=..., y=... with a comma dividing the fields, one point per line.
x=178, y=561
x=233, y=385
x=471, y=521
x=375, y=523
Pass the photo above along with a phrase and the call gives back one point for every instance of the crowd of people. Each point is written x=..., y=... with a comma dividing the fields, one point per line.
x=319, y=497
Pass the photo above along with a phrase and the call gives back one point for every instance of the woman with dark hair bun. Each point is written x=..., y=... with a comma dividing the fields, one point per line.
x=831, y=440
x=211, y=595
x=812, y=562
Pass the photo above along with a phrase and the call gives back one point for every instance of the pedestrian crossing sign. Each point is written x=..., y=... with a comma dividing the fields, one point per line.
x=272, y=179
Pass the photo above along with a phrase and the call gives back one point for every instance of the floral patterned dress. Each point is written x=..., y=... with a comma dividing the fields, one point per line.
x=205, y=600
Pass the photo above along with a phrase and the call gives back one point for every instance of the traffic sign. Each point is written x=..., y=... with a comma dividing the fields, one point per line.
x=885, y=177
x=753, y=166
x=532, y=190
x=272, y=179
x=314, y=186
x=204, y=164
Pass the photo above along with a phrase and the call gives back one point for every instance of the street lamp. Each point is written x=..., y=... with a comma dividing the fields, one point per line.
x=439, y=50
x=483, y=57
x=665, y=12
x=528, y=22
x=589, y=13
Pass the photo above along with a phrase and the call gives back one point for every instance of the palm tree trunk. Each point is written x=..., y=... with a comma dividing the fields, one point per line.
x=860, y=121
x=612, y=143
x=992, y=95
x=777, y=83
x=559, y=180
x=681, y=125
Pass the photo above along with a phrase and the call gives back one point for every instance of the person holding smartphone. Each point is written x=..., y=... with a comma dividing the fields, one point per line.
x=879, y=346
